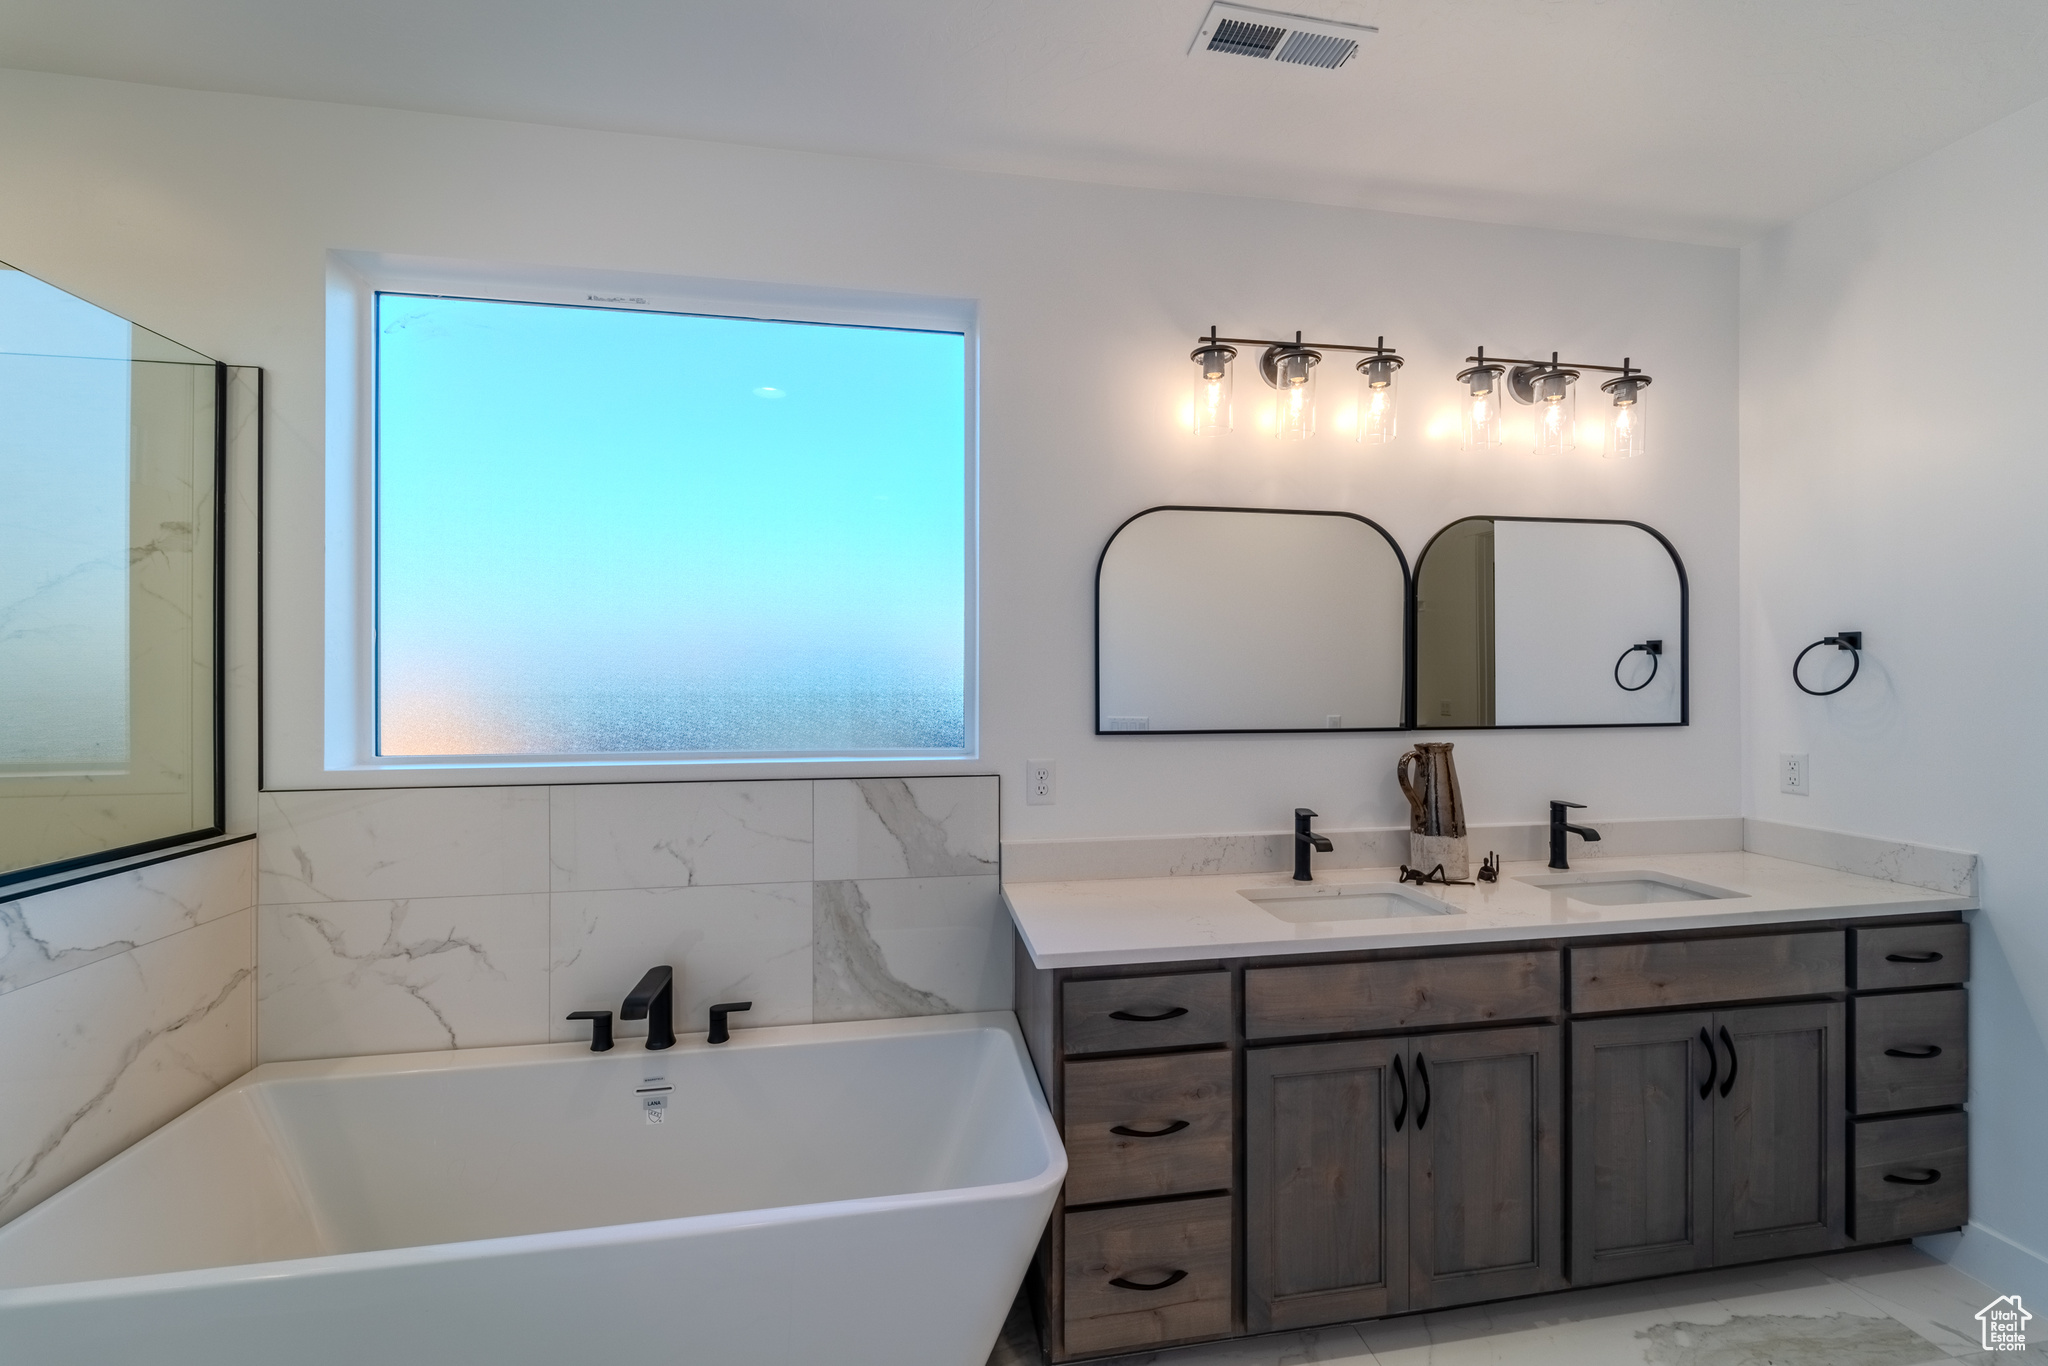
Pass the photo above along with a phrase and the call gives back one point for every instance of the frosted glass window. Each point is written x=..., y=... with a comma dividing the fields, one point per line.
x=605, y=532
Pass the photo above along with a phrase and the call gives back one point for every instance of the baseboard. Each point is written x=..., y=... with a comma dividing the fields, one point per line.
x=1989, y=1256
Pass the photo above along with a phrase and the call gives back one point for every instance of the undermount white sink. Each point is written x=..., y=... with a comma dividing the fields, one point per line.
x=1314, y=902
x=1633, y=887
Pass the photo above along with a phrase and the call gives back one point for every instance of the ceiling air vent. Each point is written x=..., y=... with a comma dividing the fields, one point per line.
x=1271, y=36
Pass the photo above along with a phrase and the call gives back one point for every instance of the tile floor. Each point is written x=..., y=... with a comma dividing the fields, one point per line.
x=1882, y=1307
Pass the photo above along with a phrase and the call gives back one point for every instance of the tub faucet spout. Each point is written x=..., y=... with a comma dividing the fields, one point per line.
x=654, y=1001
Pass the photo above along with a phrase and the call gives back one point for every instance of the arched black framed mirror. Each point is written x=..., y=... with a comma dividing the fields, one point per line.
x=1216, y=619
x=1524, y=622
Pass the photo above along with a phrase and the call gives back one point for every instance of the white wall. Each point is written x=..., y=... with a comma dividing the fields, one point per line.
x=1894, y=482
x=208, y=216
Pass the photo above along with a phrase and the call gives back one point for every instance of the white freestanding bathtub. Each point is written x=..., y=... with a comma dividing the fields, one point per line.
x=816, y=1195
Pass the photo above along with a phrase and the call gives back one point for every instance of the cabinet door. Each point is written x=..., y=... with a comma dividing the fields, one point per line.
x=1485, y=1216
x=1778, y=1131
x=1642, y=1146
x=1326, y=1179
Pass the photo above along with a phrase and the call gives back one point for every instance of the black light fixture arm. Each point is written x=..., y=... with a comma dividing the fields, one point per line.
x=1380, y=350
x=1852, y=641
x=1625, y=368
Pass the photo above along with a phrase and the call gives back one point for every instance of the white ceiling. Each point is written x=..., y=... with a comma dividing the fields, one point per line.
x=1701, y=120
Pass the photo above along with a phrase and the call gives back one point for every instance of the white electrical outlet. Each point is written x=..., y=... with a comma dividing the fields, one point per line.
x=1793, y=775
x=1041, y=782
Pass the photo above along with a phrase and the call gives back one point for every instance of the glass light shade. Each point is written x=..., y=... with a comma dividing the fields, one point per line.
x=1627, y=437
x=1294, y=377
x=1213, y=387
x=1479, y=411
x=1378, y=389
x=1556, y=411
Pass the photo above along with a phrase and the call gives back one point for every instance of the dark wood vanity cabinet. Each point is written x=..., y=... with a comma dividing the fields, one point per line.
x=1267, y=1144
x=1705, y=1138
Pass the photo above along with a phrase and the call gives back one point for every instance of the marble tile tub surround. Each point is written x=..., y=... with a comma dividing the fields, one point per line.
x=124, y=1001
x=1945, y=870
x=414, y=919
x=44, y=934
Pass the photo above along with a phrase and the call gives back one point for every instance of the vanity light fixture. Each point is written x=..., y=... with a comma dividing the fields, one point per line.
x=1290, y=368
x=1292, y=371
x=1212, y=360
x=1479, y=413
x=1378, y=389
x=1626, y=436
x=1551, y=387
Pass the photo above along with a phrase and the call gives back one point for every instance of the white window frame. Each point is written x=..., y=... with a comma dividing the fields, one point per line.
x=332, y=743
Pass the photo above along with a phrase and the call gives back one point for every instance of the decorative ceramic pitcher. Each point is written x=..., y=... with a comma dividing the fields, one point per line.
x=1436, y=814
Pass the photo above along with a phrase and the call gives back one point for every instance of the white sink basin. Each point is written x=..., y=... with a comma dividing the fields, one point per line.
x=1632, y=887
x=1314, y=902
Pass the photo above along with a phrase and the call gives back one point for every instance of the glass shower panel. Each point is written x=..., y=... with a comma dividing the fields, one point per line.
x=108, y=455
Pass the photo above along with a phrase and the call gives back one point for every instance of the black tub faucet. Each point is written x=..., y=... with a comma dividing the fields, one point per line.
x=1558, y=830
x=1306, y=839
x=654, y=1001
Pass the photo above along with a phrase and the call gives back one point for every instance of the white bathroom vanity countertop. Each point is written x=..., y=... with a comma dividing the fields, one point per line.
x=1111, y=921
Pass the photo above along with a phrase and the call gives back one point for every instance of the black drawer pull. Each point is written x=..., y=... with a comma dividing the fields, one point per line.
x=1929, y=957
x=1172, y=1128
x=1167, y=1014
x=1931, y=1051
x=1932, y=1176
x=1713, y=1063
x=1172, y=1278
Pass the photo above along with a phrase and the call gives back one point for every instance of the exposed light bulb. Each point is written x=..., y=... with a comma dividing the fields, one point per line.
x=1379, y=376
x=1293, y=374
x=1212, y=386
x=1556, y=402
x=1480, y=412
x=1629, y=434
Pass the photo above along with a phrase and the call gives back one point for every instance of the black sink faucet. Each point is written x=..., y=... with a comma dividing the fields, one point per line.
x=654, y=1001
x=1558, y=830
x=1306, y=839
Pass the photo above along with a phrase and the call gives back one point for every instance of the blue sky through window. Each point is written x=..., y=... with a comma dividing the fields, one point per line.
x=610, y=532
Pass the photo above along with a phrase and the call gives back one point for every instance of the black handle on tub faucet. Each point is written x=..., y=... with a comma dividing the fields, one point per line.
x=719, y=1033
x=654, y=1001
x=600, y=1028
x=1306, y=839
x=1558, y=830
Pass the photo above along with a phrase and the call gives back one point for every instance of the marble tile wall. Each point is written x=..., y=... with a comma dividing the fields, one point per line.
x=124, y=1001
x=412, y=919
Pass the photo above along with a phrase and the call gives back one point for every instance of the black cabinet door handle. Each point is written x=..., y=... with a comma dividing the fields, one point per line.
x=1729, y=1044
x=1931, y=1051
x=1713, y=1063
x=1932, y=1176
x=1172, y=1278
x=1912, y=957
x=1422, y=1107
x=1401, y=1106
x=1127, y=1132
x=1167, y=1014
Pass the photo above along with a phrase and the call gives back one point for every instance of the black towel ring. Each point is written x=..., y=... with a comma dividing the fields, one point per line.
x=1852, y=641
x=1654, y=649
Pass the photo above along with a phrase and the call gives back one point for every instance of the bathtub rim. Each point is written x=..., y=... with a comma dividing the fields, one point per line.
x=1043, y=1184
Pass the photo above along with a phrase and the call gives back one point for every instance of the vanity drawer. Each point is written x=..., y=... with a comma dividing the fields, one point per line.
x=1912, y=1051
x=1137, y=1128
x=1910, y=1151
x=1173, y=1260
x=1124, y=1014
x=1405, y=993
x=1889, y=956
x=1686, y=972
